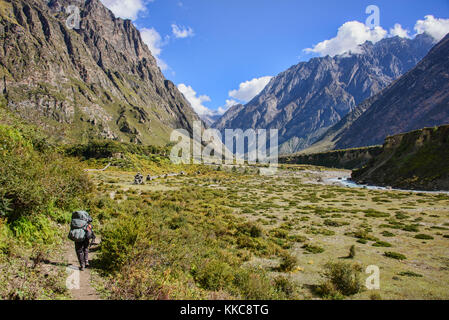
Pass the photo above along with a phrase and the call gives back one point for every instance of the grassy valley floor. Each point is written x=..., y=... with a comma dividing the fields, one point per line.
x=288, y=226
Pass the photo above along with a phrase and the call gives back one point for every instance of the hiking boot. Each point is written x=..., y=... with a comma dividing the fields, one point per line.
x=87, y=265
x=81, y=268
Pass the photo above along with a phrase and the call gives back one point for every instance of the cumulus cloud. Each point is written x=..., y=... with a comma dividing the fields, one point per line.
x=196, y=101
x=397, y=30
x=154, y=41
x=435, y=27
x=181, y=31
x=126, y=9
x=349, y=36
x=354, y=33
x=249, y=89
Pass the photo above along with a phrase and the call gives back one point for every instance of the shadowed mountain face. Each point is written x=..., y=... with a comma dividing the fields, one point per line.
x=310, y=97
x=418, y=99
x=97, y=81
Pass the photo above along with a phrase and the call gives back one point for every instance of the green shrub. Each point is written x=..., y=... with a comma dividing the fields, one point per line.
x=410, y=274
x=254, y=284
x=4, y=237
x=375, y=296
x=36, y=229
x=176, y=222
x=333, y=223
x=411, y=228
x=119, y=239
x=395, y=255
x=250, y=229
x=284, y=286
x=288, y=262
x=342, y=278
x=31, y=181
x=401, y=216
x=423, y=237
x=313, y=249
x=98, y=149
x=5, y=207
x=382, y=244
x=213, y=275
x=371, y=213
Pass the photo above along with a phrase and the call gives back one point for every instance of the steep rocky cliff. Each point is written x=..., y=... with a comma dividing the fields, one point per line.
x=415, y=160
x=97, y=81
x=307, y=99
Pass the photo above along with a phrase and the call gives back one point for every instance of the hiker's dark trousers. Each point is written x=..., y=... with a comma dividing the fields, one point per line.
x=82, y=252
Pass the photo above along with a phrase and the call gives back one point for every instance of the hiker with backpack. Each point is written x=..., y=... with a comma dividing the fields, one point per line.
x=81, y=233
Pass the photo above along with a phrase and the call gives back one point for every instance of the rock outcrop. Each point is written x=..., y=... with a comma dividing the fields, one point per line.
x=416, y=160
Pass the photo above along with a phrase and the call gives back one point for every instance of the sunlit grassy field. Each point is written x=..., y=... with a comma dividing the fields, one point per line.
x=297, y=224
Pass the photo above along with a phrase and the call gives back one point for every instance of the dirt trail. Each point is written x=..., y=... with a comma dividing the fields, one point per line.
x=85, y=291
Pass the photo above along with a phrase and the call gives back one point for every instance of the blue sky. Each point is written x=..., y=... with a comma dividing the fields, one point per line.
x=212, y=46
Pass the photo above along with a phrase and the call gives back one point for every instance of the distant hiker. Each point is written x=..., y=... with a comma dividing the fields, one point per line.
x=81, y=233
x=138, y=179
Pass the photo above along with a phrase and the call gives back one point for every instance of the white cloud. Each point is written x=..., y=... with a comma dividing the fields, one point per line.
x=126, y=9
x=354, y=33
x=397, y=30
x=435, y=27
x=181, y=31
x=349, y=36
x=229, y=103
x=154, y=41
x=249, y=89
x=195, y=101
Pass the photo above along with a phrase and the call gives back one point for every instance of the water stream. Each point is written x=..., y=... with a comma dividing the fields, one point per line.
x=347, y=182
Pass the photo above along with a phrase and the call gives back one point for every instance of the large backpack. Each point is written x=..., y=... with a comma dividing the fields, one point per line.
x=80, y=221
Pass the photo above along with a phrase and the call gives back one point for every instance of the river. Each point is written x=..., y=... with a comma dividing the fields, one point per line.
x=347, y=182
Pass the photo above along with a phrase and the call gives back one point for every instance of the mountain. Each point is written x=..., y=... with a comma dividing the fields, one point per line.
x=310, y=97
x=413, y=160
x=418, y=99
x=228, y=116
x=210, y=119
x=99, y=81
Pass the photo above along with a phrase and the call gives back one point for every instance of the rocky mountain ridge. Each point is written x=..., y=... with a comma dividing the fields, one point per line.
x=100, y=80
x=304, y=101
x=418, y=99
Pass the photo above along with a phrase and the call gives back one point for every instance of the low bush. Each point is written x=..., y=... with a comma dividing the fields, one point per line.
x=32, y=181
x=382, y=244
x=313, y=249
x=410, y=274
x=288, y=262
x=424, y=237
x=340, y=279
x=395, y=255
